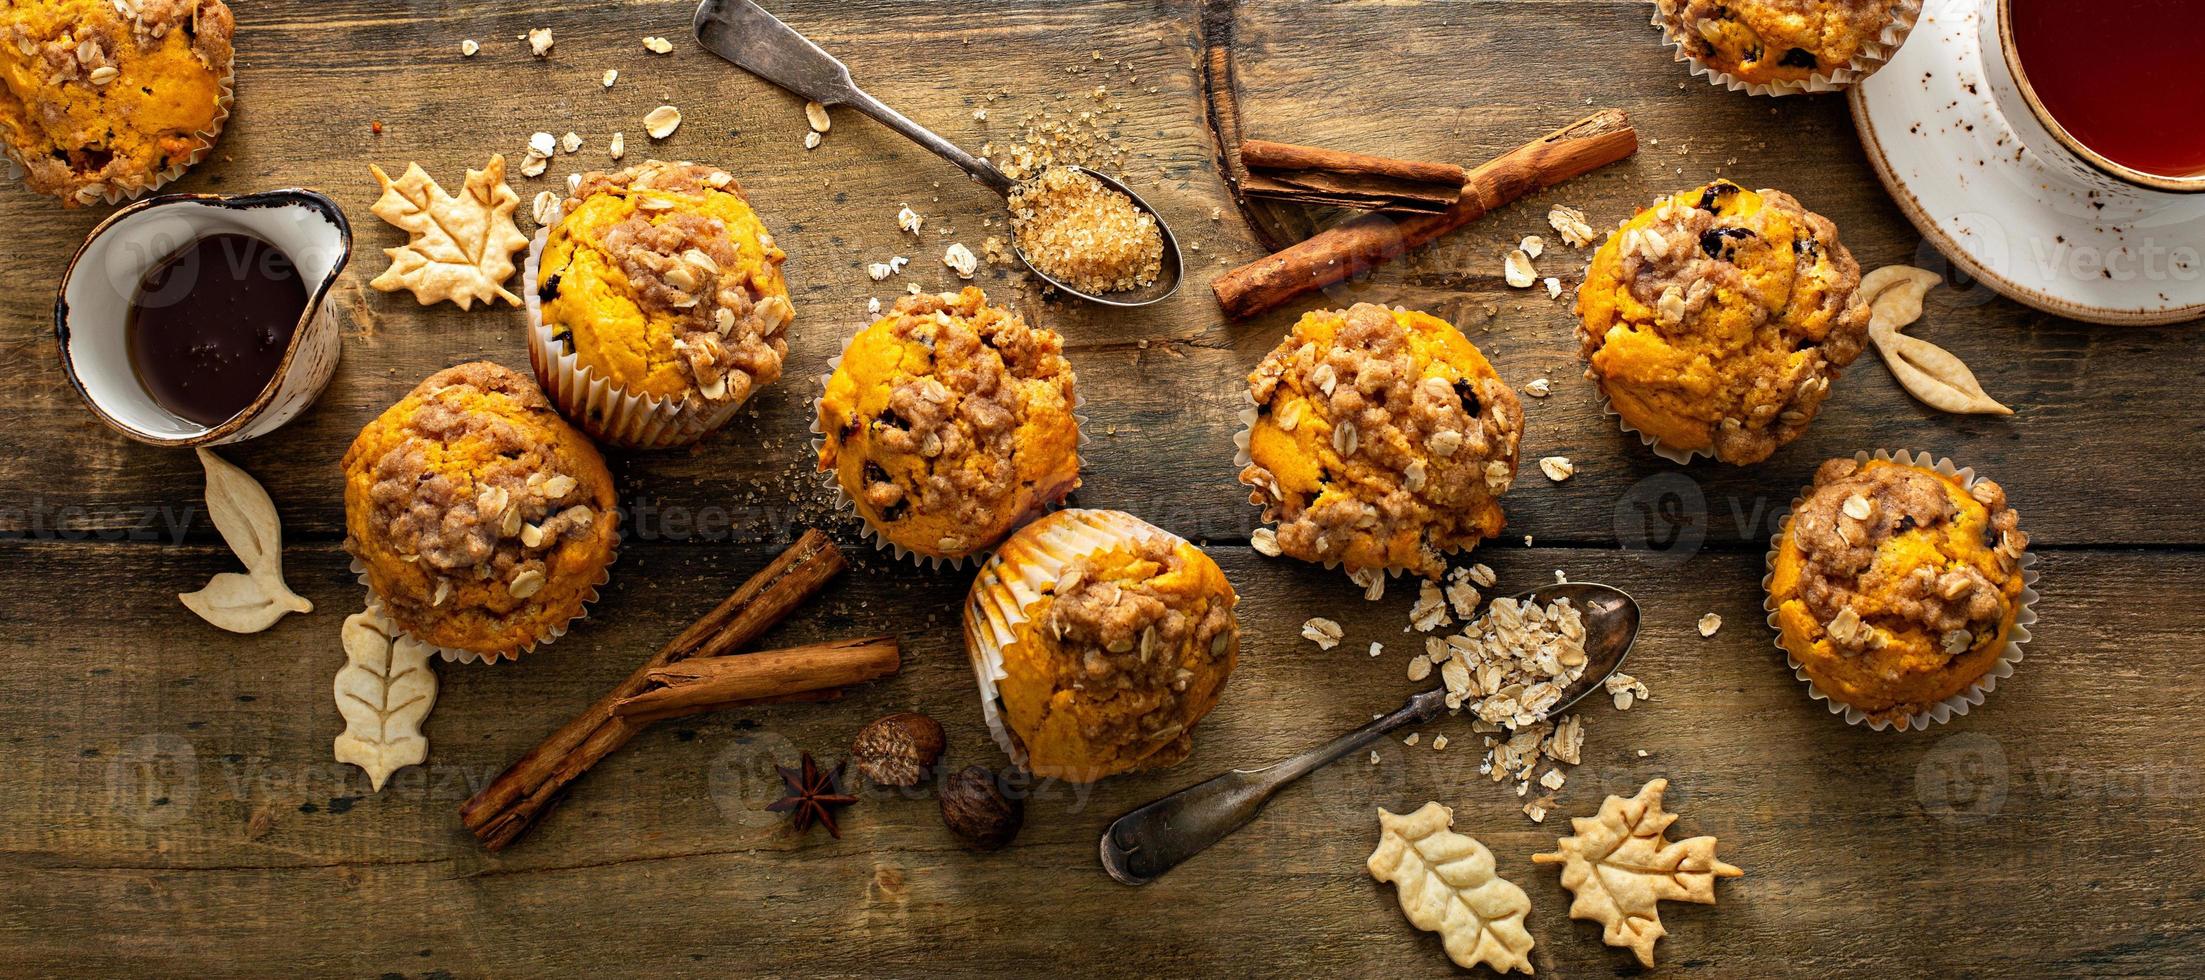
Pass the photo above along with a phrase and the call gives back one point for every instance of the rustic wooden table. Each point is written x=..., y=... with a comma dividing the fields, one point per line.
x=168, y=803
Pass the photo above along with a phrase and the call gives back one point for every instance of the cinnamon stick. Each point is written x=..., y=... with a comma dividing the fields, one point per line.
x=1360, y=245
x=525, y=791
x=1316, y=175
x=709, y=683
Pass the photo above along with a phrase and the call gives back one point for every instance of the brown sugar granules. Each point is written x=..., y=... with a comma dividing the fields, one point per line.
x=1084, y=234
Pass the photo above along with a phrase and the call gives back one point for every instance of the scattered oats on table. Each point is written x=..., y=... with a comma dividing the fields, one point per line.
x=1539, y=388
x=539, y=41
x=1265, y=541
x=1517, y=270
x=1557, y=468
x=1532, y=246
x=658, y=45
x=811, y=140
x=571, y=142
x=816, y=115
x=1414, y=737
x=960, y=260
x=909, y=220
x=1554, y=288
x=1377, y=648
x=1439, y=742
x=1482, y=574
x=1323, y=632
x=611, y=75
x=662, y=121
x=468, y=47
x=1570, y=223
x=618, y=147
x=1625, y=689
x=1709, y=624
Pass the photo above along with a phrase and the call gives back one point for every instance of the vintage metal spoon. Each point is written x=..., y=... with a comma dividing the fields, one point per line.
x=1153, y=839
x=744, y=33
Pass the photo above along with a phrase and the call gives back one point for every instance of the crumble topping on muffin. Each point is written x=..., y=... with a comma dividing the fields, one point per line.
x=1897, y=586
x=1777, y=40
x=1716, y=320
x=662, y=278
x=1099, y=641
x=101, y=95
x=1382, y=439
x=1117, y=634
x=480, y=515
x=949, y=422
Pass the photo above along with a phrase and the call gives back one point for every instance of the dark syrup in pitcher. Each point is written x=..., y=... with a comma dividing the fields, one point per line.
x=209, y=325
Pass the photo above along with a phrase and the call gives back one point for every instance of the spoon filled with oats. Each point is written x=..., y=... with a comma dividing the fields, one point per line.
x=1527, y=659
x=1082, y=231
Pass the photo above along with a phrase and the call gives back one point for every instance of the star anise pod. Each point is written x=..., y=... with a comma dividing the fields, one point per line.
x=813, y=795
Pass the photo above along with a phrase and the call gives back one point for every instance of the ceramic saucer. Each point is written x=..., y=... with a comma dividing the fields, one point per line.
x=2007, y=217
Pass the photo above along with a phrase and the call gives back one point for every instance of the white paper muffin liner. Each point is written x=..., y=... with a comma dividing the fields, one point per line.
x=880, y=540
x=1951, y=707
x=1873, y=56
x=1015, y=577
x=1249, y=413
x=543, y=638
x=11, y=170
x=1660, y=448
x=608, y=412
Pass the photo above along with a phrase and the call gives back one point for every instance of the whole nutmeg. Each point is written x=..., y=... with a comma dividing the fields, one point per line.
x=976, y=808
x=898, y=750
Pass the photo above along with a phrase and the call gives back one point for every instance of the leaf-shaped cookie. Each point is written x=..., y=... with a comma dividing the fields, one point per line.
x=459, y=248
x=1446, y=884
x=384, y=692
x=1928, y=372
x=1619, y=864
x=241, y=510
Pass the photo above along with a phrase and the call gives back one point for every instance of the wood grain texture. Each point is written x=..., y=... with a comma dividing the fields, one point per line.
x=169, y=804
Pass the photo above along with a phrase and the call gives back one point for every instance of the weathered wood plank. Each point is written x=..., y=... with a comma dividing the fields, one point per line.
x=1864, y=852
x=2060, y=813
x=1162, y=380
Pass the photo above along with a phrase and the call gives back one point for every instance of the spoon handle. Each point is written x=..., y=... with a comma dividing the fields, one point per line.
x=748, y=35
x=978, y=168
x=1155, y=838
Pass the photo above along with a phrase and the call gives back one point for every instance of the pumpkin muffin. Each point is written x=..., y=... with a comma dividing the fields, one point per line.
x=1895, y=586
x=483, y=520
x=1099, y=641
x=662, y=281
x=111, y=98
x=1381, y=439
x=1779, y=41
x=1715, y=321
x=949, y=423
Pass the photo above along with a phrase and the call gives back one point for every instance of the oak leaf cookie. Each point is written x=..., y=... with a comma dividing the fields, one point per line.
x=1446, y=884
x=1620, y=864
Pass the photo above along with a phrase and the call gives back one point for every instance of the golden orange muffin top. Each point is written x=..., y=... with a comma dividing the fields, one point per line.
x=1716, y=320
x=1777, y=40
x=662, y=279
x=949, y=423
x=1382, y=439
x=110, y=94
x=484, y=519
x=1896, y=586
x=1119, y=658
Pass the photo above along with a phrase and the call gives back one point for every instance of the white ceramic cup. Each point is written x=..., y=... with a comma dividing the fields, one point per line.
x=2043, y=135
x=104, y=276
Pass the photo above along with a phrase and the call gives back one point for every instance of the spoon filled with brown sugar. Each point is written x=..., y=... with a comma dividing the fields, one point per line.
x=1081, y=231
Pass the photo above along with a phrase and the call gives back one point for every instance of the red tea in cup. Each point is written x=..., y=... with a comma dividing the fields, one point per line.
x=2123, y=77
